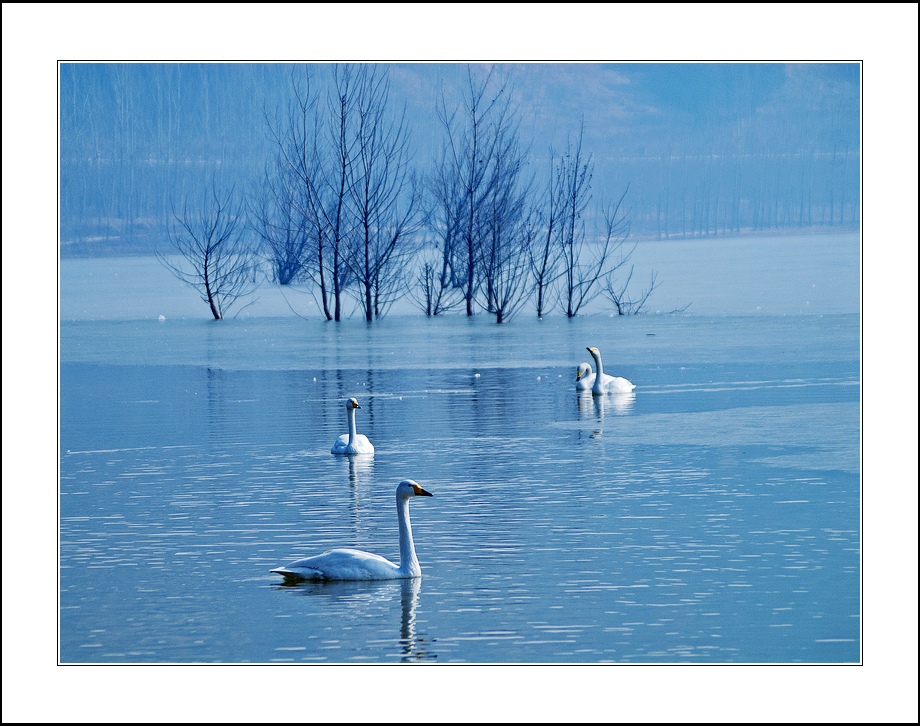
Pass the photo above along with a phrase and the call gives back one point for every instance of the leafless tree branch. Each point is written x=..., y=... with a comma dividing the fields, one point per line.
x=212, y=255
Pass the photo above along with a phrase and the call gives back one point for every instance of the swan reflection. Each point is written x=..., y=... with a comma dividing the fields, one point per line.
x=594, y=408
x=619, y=404
x=413, y=648
x=354, y=598
x=360, y=477
x=360, y=467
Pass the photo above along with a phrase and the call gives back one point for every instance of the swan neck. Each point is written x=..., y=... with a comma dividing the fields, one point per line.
x=598, y=387
x=408, y=561
x=352, y=427
x=600, y=365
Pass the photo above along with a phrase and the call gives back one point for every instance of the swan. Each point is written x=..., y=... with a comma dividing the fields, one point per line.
x=352, y=442
x=604, y=383
x=584, y=377
x=349, y=564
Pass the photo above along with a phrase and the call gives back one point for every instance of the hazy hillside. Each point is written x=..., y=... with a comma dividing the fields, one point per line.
x=705, y=149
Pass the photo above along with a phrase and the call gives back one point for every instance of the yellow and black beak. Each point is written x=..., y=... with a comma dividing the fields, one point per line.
x=419, y=492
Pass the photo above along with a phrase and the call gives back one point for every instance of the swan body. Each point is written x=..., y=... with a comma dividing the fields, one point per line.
x=352, y=442
x=351, y=564
x=604, y=383
x=584, y=377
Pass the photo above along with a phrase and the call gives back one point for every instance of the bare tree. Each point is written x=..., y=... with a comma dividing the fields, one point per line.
x=214, y=257
x=618, y=294
x=382, y=195
x=504, y=252
x=278, y=219
x=344, y=164
x=434, y=292
x=615, y=233
x=583, y=264
x=439, y=284
x=315, y=157
x=505, y=264
x=467, y=161
x=329, y=188
x=545, y=249
x=605, y=257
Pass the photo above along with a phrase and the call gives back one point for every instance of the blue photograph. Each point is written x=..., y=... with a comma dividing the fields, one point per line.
x=500, y=366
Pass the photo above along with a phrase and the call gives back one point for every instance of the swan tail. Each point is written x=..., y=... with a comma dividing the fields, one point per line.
x=299, y=575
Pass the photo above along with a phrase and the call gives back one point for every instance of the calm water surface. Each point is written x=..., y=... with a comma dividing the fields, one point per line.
x=711, y=517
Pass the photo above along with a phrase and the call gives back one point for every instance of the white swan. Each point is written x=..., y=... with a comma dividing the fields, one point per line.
x=584, y=377
x=352, y=442
x=604, y=383
x=349, y=564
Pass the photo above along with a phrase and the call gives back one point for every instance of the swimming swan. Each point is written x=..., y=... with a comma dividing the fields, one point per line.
x=352, y=442
x=584, y=377
x=604, y=383
x=349, y=564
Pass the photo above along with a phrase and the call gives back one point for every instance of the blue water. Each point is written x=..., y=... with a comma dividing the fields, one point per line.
x=713, y=517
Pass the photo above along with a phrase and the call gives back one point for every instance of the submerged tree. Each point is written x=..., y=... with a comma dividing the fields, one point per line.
x=434, y=292
x=545, y=249
x=328, y=185
x=213, y=256
x=382, y=196
x=504, y=250
x=277, y=218
x=474, y=132
x=303, y=166
x=616, y=230
x=583, y=264
x=585, y=261
x=504, y=261
x=439, y=283
x=348, y=161
x=618, y=294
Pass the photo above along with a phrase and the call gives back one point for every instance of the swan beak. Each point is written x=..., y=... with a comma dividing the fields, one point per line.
x=419, y=492
x=578, y=375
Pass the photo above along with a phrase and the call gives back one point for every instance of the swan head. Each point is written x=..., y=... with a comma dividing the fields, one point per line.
x=593, y=351
x=583, y=370
x=409, y=488
x=352, y=403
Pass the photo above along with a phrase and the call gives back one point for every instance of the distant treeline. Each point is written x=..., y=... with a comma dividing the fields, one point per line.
x=701, y=195
x=135, y=139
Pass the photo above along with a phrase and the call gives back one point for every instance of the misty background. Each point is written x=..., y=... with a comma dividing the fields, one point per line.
x=701, y=149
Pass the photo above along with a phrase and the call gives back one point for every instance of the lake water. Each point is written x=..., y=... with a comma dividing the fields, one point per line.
x=712, y=517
